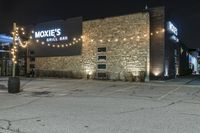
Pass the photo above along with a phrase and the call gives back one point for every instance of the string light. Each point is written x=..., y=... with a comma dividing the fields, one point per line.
x=77, y=40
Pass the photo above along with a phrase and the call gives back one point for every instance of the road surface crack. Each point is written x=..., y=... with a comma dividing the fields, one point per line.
x=21, y=105
x=9, y=124
x=150, y=108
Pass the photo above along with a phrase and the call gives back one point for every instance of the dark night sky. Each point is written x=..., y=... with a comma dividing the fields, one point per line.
x=186, y=14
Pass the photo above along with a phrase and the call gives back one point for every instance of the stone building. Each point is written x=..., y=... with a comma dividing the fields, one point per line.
x=138, y=46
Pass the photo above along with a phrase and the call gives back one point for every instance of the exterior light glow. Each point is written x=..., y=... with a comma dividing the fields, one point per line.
x=171, y=28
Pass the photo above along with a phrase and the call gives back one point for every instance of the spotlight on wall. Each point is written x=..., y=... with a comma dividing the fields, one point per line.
x=156, y=73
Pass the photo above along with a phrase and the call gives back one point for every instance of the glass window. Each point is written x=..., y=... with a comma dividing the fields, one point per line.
x=101, y=58
x=102, y=49
x=101, y=66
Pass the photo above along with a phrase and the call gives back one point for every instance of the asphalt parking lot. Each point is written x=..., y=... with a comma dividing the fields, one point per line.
x=92, y=106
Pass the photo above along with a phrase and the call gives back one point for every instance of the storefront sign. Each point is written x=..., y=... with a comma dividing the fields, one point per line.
x=56, y=38
x=52, y=35
x=172, y=29
x=174, y=38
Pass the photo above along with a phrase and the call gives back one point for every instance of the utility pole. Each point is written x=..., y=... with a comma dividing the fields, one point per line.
x=14, y=37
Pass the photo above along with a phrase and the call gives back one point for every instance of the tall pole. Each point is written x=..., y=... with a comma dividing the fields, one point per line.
x=14, y=36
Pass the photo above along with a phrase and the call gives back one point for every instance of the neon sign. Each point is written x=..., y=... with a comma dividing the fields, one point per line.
x=171, y=28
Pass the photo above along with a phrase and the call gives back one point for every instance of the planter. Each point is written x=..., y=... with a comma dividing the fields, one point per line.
x=13, y=85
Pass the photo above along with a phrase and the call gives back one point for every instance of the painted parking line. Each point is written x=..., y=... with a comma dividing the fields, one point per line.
x=170, y=92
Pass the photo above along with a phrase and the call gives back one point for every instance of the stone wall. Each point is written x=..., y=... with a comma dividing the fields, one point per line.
x=126, y=39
